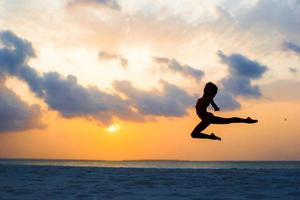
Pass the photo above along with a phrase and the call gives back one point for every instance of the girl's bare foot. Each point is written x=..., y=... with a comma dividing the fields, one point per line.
x=214, y=137
x=251, y=121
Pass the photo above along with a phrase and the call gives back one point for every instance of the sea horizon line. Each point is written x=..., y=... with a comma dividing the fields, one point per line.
x=140, y=160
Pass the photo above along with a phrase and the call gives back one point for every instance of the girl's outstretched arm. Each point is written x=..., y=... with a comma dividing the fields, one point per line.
x=214, y=105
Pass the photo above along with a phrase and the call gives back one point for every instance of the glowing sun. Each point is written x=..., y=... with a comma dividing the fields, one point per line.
x=113, y=128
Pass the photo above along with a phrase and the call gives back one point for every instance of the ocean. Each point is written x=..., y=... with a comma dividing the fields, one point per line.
x=144, y=180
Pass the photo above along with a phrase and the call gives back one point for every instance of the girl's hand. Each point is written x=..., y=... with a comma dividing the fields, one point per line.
x=217, y=108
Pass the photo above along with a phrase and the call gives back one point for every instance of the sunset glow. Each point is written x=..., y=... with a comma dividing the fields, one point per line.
x=119, y=80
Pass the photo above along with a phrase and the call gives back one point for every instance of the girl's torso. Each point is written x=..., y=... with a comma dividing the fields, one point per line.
x=201, y=107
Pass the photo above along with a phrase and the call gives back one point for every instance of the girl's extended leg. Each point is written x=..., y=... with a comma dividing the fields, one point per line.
x=221, y=120
x=200, y=127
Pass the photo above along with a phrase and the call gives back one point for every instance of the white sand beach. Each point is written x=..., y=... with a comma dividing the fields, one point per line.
x=59, y=182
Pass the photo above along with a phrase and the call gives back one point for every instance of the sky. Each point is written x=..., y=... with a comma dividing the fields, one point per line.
x=119, y=79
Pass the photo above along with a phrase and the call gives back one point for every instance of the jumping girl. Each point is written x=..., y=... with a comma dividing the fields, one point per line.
x=207, y=118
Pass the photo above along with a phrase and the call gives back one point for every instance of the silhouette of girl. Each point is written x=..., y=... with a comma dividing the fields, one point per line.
x=207, y=118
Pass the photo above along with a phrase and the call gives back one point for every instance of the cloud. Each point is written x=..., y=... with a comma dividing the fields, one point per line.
x=227, y=101
x=241, y=72
x=237, y=83
x=240, y=86
x=171, y=101
x=113, y=4
x=15, y=114
x=65, y=95
x=62, y=94
x=104, y=56
x=289, y=46
x=13, y=60
x=70, y=99
x=174, y=66
x=240, y=65
x=293, y=70
x=282, y=17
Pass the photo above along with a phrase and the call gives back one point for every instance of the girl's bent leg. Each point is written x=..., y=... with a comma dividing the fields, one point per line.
x=200, y=127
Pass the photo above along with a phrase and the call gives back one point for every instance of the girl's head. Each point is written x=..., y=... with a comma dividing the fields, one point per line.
x=210, y=90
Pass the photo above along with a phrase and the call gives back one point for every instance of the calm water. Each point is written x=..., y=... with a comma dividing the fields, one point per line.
x=162, y=164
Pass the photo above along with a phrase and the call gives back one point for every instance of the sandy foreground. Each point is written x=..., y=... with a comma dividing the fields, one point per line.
x=54, y=182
